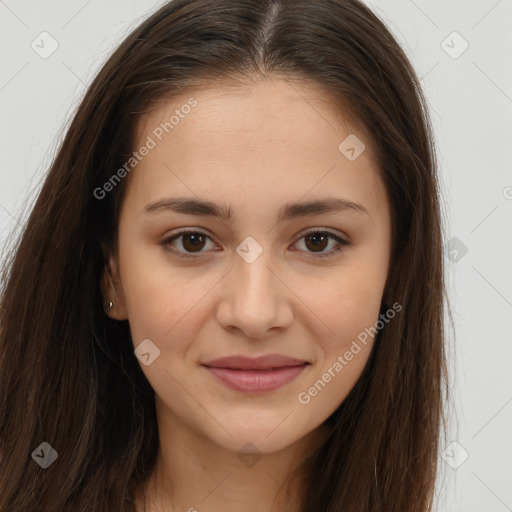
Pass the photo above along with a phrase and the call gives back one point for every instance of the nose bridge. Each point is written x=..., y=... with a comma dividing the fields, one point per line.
x=253, y=298
x=255, y=285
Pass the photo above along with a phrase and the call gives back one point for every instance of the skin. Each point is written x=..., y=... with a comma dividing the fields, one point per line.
x=252, y=148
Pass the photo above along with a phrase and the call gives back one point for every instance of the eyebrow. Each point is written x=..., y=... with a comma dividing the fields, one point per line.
x=194, y=206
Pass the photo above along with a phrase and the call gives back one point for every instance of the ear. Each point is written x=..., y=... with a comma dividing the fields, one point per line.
x=112, y=289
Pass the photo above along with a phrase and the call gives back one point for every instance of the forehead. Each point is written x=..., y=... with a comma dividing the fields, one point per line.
x=283, y=134
x=260, y=110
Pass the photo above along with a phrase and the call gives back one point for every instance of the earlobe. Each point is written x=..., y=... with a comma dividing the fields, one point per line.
x=112, y=292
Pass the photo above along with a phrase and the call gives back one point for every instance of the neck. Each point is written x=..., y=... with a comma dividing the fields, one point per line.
x=194, y=474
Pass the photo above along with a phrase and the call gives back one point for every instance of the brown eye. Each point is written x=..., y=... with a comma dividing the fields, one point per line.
x=318, y=241
x=192, y=243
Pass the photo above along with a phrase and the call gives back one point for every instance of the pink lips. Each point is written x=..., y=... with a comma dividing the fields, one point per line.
x=256, y=375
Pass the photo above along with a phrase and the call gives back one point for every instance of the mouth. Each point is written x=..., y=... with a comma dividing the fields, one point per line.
x=255, y=375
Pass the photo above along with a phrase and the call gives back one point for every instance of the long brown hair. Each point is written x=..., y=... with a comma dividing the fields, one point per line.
x=68, y=374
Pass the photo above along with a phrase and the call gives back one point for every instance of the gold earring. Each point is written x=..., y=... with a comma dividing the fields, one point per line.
x=109, y=307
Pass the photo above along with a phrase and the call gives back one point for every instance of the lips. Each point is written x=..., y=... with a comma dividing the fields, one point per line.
x=255, y=375
x=257, y=363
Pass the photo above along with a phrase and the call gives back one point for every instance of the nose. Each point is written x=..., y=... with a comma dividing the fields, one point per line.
x=255, y=300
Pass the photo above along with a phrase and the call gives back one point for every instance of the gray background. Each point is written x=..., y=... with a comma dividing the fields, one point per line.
x=471, y=102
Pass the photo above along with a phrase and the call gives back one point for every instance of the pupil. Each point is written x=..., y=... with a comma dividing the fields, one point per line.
x=316, y=239
x=194, y=240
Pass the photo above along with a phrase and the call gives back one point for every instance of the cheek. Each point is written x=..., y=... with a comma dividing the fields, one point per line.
x=163, y=303
x=350, y=312
x=349, y=304
x=150, y=292
x=161, y=308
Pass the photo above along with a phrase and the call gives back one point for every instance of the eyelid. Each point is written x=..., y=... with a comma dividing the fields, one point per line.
x=323, y=230
x=341, y=240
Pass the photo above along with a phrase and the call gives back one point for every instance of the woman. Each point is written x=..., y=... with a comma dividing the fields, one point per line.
x=229, y=293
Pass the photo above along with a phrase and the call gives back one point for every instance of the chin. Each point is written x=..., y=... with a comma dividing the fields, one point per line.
x=246, y=438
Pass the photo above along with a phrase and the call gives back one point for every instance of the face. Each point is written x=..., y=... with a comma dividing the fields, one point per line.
x=271, y=278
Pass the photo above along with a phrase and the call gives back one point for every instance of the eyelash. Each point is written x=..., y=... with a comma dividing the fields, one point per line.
x=341, y=243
